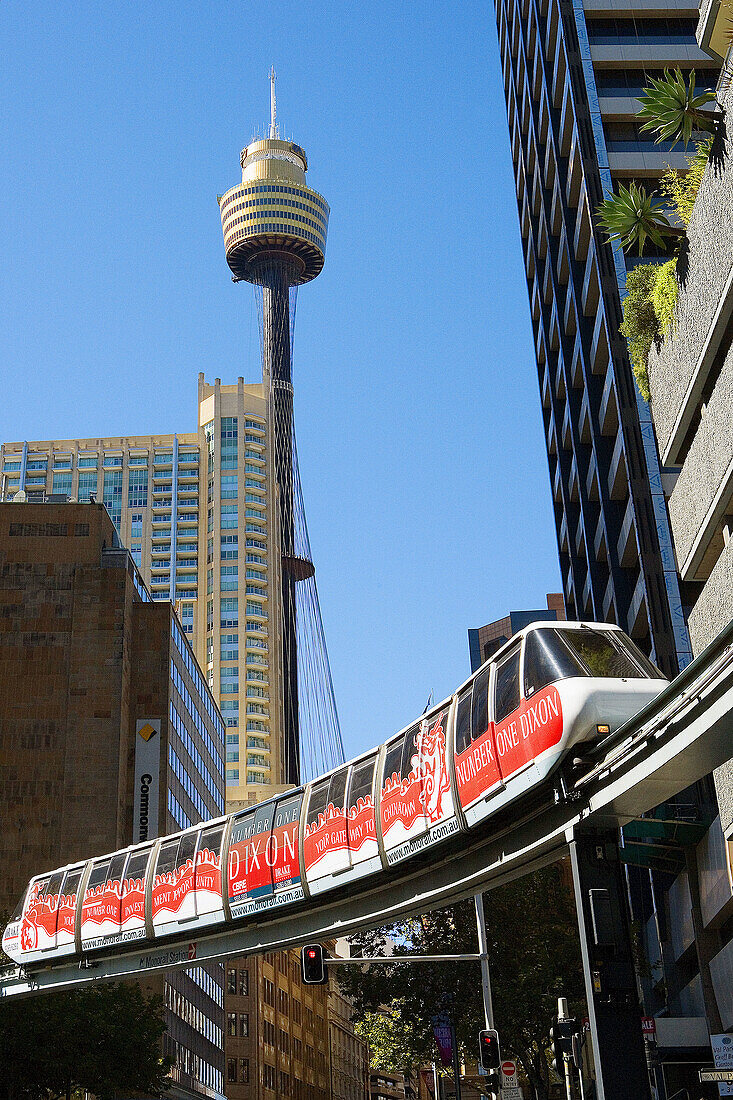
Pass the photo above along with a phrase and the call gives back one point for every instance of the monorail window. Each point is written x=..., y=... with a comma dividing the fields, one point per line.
x=211, y=841
x=71, y=882
x=546, y=660
x=18, y=911
x=409, y=751
x=463, y=723
x=116, y=867
x=361, y=782
x=599, y=654
x=648, y=666
x=506, y=691
x=167, y=857
x=337, y=788
x=137, y=866
x=186, y=849
x=317, y=802
x=393, y=760
x=54, y=884
x=98, y=875
x=480, y=705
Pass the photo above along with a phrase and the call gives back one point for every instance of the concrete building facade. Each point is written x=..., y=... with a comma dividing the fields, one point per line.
x=88, y=661
x=691, y=383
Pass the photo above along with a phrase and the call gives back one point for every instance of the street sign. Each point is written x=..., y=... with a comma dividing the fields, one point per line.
x=716, y=1075
x=723, y=1058
x=513, y=1092
x=509, y=1069
x=722, y=1051
x=649, y=1025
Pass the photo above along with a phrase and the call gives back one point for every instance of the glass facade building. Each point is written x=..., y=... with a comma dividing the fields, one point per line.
x=571, y=72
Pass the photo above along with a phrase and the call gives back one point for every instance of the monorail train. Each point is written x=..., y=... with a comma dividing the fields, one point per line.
x=500, y=735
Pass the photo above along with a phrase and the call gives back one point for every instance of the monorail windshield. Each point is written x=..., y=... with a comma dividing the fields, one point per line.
x=551, y=655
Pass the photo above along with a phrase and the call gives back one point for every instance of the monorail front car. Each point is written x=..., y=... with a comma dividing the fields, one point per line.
x=502, y=734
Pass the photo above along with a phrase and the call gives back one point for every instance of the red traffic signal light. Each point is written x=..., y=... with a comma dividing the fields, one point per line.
x=488, y=1047
x=312, y=966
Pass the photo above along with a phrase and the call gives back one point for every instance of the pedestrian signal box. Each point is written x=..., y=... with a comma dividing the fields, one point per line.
x=488, y=1046
x=312, y=966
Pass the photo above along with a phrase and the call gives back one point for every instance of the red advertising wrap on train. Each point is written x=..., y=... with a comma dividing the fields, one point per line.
x=510, y=728
x=416, y=804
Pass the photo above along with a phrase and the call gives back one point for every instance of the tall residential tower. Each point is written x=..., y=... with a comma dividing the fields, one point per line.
x=572, y=71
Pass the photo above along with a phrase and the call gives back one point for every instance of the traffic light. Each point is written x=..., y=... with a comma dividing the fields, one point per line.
x=562, y=1033
x=488, y=1050
x=312, y=966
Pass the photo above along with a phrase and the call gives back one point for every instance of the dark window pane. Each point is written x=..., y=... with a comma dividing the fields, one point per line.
x=480, y=705
x=317, y=802
x=546, y=660
x=507, y=686
x=600, y=655
x=463, y=723
x=337, y=788
x=361, y=782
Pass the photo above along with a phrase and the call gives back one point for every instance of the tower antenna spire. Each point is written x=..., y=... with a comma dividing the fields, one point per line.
x=273, y=111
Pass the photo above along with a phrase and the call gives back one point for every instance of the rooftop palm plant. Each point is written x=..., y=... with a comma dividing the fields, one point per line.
x=632, y=216
x=672, y=110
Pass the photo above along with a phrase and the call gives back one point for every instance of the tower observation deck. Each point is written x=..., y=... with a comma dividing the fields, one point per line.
x=275, y=230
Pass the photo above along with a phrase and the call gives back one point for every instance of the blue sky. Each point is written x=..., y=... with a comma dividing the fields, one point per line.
x=417, y=406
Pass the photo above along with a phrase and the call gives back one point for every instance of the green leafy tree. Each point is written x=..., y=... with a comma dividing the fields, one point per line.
x=534, y=958
x=641, y=324
x=633, y=216
x=672, y=109
x=100, y=1039
x=681, y=188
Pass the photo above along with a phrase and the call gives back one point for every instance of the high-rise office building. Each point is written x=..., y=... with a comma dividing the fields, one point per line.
x=95, y=673
x=572, y=72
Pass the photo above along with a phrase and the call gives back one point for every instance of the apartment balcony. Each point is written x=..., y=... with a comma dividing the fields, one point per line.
x=638, y=7
x=647, y=55
x=592, y=486
x=637, y=617
x=591, y=292
x=608, y=408
x=600, y=544
x=626, y=548
x=617, y=477
x=584, y=422
x=575, y=172
x=599, y=348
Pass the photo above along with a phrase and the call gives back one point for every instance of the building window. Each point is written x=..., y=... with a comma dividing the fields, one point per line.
x=62, y=483
x=231, y=1023
x=233, y=777
x=244, y=1070
x=137, y=489
x=231, y=980
x=243, y=1024
x=87, y=485
x=231, y=1069
x=244, y=983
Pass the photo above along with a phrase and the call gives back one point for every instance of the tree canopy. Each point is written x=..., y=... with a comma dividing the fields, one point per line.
x=534, y=956
x=101, y=1039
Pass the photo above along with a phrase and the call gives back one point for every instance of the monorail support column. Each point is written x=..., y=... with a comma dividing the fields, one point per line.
x=608, y=966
